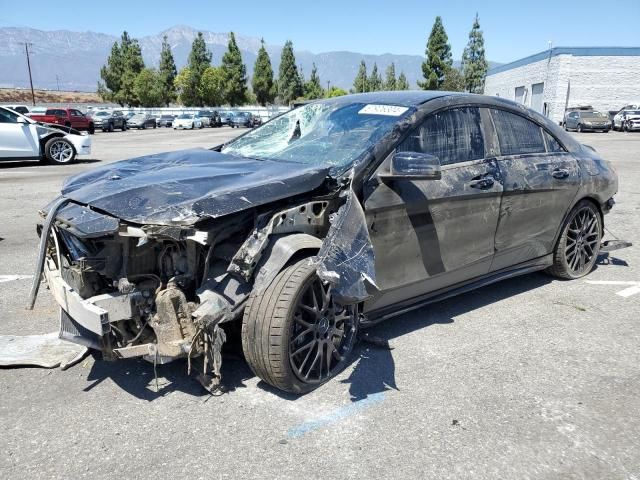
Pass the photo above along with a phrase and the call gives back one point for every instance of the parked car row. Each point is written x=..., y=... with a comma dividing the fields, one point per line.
x=111, y=120
x=585, y=118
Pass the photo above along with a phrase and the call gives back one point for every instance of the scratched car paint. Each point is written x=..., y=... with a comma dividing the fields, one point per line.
x=332, y=217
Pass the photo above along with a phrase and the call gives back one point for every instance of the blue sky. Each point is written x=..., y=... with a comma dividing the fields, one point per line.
x=512, y=29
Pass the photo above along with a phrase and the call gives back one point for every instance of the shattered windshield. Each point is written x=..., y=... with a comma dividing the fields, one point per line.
x=332, y=134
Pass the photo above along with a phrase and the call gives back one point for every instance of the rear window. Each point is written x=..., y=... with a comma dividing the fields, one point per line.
x=56, y=112
x=516, y=134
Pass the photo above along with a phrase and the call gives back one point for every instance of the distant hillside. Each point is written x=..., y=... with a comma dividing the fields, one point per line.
x=23, y=96
x=76, y=57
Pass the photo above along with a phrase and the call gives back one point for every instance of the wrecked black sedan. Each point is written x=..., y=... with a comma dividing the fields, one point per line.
x=331, y=217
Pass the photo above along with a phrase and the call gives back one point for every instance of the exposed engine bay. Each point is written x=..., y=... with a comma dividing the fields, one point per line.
x=163, y=292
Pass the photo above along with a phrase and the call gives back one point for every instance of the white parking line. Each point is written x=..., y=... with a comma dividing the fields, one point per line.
x=11, y=278
x=627, y=292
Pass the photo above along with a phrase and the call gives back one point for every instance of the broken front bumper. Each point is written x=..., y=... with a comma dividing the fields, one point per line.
x=86, y=321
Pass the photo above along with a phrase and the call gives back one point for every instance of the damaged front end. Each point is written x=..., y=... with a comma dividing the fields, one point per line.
x=166, y=292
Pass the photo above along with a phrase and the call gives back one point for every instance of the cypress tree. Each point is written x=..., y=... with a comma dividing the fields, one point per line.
x=111, y=74
x=375, y=80
x=313, y=88
x=402, y=83
x=167, y=74
x=474, y=63
x=438, y=57
x=199, y=61
x=361, y=82
x=133, y=64
x=262, y=82
x=235, y=74
x=390, y=77
x=289, y=86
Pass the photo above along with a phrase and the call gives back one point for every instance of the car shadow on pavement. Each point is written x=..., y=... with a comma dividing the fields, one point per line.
x=375, y=368
x=36, y=163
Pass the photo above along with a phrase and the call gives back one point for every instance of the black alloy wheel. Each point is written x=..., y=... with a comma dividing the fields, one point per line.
x=320, y=333
x=579, y=244
x=294, y=335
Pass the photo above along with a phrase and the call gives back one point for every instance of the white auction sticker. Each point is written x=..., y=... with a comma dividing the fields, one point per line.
x=390, y=110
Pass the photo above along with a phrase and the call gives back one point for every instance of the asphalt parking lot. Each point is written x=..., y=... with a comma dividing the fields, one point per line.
x=529, y=378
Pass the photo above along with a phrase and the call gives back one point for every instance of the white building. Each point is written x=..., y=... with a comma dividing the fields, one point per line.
x=606, y=78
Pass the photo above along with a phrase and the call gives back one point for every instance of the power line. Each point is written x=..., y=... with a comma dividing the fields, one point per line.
x=26, y=49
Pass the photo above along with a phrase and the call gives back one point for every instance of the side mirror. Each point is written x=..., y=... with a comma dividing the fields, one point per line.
x=415, y=165
x=21, y=120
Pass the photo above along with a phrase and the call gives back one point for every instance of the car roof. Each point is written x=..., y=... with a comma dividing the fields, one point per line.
x=406, y=98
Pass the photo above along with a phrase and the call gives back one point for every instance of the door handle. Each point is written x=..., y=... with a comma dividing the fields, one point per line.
x=560, y=173
x=482, y=183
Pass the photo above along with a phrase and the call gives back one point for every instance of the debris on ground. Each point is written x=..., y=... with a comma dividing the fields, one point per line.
x=46, y=351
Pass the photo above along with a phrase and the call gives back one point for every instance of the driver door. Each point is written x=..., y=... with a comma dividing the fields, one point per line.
x=431, y=234
x=17, y=137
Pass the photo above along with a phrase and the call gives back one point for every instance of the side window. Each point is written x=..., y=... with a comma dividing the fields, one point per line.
x=452, y=135
x=8, y=117
x=516, y=134
x=552, y=144
x=76, y=113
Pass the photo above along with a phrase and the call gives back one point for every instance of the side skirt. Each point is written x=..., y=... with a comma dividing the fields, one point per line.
x=385, y=313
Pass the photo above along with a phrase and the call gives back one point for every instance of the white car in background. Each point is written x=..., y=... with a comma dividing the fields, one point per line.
x=187, y=120
x=22, y=138
x=628, y=118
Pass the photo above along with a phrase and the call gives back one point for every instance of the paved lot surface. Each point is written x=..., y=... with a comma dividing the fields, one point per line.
x=530, y=378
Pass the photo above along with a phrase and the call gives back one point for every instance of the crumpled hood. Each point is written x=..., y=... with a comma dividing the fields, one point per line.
x=180, y=188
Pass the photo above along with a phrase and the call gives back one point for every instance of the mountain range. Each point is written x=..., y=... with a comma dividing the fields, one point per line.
x=71, y=60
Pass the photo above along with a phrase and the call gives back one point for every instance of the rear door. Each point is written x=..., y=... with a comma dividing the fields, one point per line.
x=540, y=180
x=429, y=234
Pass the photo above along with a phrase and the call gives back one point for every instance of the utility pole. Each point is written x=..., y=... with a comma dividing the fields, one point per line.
x=26, y=49
x=58, y=82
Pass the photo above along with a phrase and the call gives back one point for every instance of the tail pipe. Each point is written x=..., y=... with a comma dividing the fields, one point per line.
x=42, y=251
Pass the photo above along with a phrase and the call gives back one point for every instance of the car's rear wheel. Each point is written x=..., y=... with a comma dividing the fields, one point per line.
x=580, y=129
x=59, y=151
x=110, y=128
x=294, y=336
x=579, y=244
x=92, y=129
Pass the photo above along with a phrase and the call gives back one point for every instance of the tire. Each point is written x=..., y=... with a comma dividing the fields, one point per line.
x=111, y=129
x=279, y=324
x=92, y=129
x=582, y=230
x=124, y=127
x=625, y=127
x=580, y=130
x=192, y=126
x=59, y=151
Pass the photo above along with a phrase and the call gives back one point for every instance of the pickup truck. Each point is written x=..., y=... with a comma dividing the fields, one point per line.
x=69, y=117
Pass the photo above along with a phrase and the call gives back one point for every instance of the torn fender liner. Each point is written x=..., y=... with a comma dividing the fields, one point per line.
x=46, y=351
x=346, y=258
x=183, y=187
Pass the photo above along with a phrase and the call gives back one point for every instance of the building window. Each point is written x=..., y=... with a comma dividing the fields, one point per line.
x=519, y=95
x=537, y=95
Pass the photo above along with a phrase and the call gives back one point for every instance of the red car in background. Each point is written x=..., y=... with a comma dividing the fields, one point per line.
x=69, y=117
